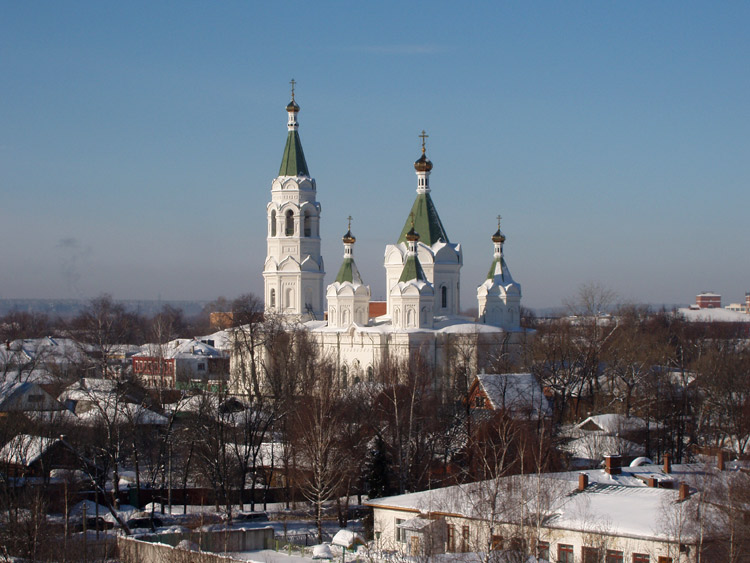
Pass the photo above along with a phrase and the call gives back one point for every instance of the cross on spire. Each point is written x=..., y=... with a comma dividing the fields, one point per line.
x=498, y=220
x=350, y=223
x=411, y=216
x=423, y=136
x=292, y=82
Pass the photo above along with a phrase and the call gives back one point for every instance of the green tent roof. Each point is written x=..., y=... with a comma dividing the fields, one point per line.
x=426, y=222
x=293, y=162
x=412, y=270
x=494, y=269
x=348, y=272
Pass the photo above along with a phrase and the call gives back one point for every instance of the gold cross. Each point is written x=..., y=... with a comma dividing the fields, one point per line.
x=498, y=220
x=350, y=223
x=412, y=219
x=292, y=82
x=423, y=137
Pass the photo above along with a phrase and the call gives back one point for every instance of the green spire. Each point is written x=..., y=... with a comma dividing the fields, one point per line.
x=498, y=267
x=412, y=269
x=293, y=162
x=426, y=221
x=348, y=272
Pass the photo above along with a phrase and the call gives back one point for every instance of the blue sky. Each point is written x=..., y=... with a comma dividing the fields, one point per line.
x=138, y=141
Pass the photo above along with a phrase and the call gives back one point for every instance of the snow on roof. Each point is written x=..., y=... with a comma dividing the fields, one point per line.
x=517, y=392
x=120, y=412
x=347, y=538
x=179, y=348
x=612, y=423
x=616, y=504
x=594, y=445
x=25, y=449
x=383, y=324
x=714, y=315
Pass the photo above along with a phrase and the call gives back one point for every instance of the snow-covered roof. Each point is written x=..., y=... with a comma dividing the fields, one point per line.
x=611, y=504
x=612, y=423
x=442, y=324
x=714, y=315
x=515, y=392
x=180, y=348
x=120, y=412
x=594, y=445
x=347, y=538
x=25, y=449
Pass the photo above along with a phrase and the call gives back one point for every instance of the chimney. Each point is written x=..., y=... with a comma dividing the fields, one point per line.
x=652, y=482
x=612, y=464
x=583, y=481
x=667, y=463
x=684, y=491
x=720, y=460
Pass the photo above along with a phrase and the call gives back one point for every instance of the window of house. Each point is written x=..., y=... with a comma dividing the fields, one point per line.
x=444, y=297
x=451, y=547
x=201, y=367
x=400, y=532
x=614, y=556
x=542, y=550
x=308, y=224
x=479, y=401
x=370, y=373
x=664, y=559
x=497, y=543
x=565, y=553
x=465, y=539
x=590, y=555
x=272, y=300
x=640, y=558
x=273, y=223
x=289, y=229
x=517, y=544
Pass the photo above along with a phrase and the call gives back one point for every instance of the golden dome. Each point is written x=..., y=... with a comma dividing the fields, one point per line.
x=349, y=238
x=423, y=164
x=292, y=106
x=498, y=236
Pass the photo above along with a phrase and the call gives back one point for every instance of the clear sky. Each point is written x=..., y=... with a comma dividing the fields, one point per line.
x=138, y=141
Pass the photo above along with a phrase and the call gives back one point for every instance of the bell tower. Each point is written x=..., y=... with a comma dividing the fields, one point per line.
x=293, y=271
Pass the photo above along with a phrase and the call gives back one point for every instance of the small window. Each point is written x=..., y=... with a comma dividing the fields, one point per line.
x=590, y=555
x=641, y=558
x=308, y=224
x=614, y=556
x=289, y=230
x=370, y=373
x=273, y=223
x=479, y=402
x=400, y=532
x=465, y=539
x=565, y=553
x=444, y=297
x=451, y=547
x=272, y=300
x=542, y=550
x=36, y=398
x=497, y=543
x=201, y=367
x=664, y=559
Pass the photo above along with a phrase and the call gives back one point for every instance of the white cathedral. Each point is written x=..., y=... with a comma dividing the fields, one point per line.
x=423, y=275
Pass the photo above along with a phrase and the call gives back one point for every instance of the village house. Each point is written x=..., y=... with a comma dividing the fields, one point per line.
x=640, y=514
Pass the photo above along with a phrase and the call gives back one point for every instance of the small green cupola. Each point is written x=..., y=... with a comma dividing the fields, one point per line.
x=412, y=268
x=349, y=271
x=293, y=162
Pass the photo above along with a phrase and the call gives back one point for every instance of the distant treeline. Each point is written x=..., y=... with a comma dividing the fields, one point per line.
x=66, y=308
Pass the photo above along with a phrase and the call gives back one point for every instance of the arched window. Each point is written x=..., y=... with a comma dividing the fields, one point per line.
x=410, y=318
x=444, y=296
x=289, y=298
x=344, y=374
x=344, y=317
x=370, y=373
x=308, y=224
x=272, y=299
x=273, y=223
x=290, y=223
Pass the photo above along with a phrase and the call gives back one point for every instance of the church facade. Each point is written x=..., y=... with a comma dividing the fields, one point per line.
x=423, y=276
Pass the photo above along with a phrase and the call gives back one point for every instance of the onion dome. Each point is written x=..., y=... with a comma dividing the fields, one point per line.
x=498, y=236
x=292, y=106
x=412, y=235
x=423, y=164
x=349, y=238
